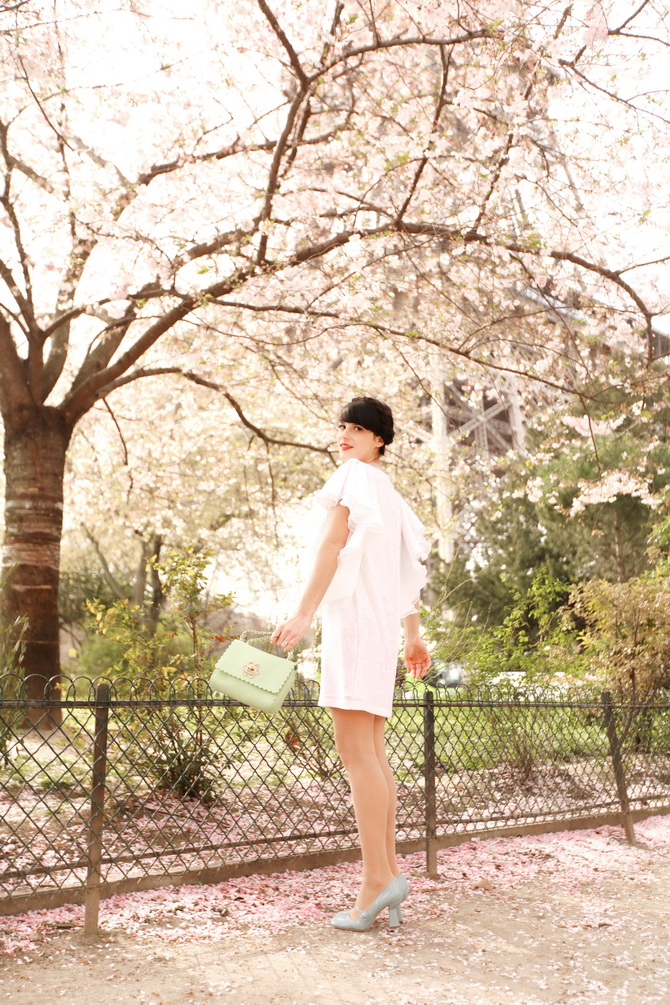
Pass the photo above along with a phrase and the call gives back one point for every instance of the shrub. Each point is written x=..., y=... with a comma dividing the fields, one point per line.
x=11, y=649
x=175, y=751
x=534, y=642
x=626, y=638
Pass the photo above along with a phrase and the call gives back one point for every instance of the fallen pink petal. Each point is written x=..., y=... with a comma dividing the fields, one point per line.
x=575, y=916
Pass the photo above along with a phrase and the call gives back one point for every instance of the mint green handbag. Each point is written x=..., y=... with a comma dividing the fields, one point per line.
x=252, y=676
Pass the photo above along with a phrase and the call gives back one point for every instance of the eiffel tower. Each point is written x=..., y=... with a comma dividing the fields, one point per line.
x=493, y=425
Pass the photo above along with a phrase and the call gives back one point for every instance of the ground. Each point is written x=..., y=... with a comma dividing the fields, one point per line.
x=576, y=917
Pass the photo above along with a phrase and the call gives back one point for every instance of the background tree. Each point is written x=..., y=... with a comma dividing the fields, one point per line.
x=587, y=501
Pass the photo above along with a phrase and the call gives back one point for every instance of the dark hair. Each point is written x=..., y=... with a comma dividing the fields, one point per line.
x=372, y=414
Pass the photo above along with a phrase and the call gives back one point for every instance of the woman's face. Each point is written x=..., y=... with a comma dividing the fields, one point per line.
x=355, y=441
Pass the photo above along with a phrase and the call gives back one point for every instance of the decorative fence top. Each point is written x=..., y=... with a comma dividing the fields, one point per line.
x=83, y=691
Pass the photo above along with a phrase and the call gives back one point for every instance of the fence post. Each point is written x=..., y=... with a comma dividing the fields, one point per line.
x=617, y=764
x=96, y=821
x=429, y=781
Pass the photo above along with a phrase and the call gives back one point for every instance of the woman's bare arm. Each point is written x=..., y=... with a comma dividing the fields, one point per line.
x=334, y=538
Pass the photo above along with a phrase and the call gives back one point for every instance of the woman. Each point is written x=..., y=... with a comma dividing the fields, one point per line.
x=367, y=575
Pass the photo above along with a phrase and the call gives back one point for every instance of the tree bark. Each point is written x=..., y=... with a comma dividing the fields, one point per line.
x=35, y=447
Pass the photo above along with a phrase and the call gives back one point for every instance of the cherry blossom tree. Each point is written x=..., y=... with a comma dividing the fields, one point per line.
x=180, y=191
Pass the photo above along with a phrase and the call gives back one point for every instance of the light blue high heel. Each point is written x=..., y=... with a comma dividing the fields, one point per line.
x=403, y=889
x=391, y=897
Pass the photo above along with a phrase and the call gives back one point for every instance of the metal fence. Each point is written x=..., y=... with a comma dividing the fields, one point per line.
x=127, y=785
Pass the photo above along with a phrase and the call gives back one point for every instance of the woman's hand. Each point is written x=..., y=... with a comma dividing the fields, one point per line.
x=417, y=658
x=288, y=634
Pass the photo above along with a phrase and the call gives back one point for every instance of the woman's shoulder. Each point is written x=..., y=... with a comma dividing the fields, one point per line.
x=349, y=474
x=356, y=484
x=361, y=475
x=366, y=469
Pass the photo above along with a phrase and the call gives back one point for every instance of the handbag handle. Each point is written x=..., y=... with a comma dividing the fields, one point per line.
x=259, y=637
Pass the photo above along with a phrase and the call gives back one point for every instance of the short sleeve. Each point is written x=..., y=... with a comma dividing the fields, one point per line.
x=353, y=486
x=414, y=550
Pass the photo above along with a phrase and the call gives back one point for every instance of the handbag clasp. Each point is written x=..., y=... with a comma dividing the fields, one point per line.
x=251, y=669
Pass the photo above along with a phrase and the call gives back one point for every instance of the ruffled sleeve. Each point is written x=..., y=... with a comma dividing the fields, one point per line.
x=414, y=550
x=353, y=486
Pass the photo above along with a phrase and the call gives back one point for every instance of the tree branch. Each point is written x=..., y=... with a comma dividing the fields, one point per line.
x=99, y=355
x=89, y=386
x=469, y=36
x=644, y=265
x=211, y=247
x=14, y=392
x=279, y=308
x=86, y=389
x=168, y=167
x=387, y=330
x=503, y=156
x=559, y=256
x=212, y=385
x=457, y=350
x=23, y=300
x=97, y=158
x=7, y=276
x=570, y=65
x=55, y=362
x=281, y=35
x=273, y=176
x=615, y=277
x=631, y=17
x=232, y=150
x=118, y=429
x=15, y=163
x=108, y=575
x=441, y=101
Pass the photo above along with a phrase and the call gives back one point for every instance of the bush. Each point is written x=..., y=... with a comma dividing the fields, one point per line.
x=122, y=644
x=609, y=635
x=110, y=651
x=535, y=642
x=626, y=638
x=98, y=656
x=175, y=751
x=11, y=650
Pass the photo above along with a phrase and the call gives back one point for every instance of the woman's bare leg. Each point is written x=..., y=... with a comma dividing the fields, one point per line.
x=380, y=748
x=355, y=739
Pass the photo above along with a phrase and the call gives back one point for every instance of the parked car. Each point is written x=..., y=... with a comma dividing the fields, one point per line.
x=443, y=674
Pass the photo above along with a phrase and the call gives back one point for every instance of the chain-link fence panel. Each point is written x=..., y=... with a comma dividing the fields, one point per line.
x=144, y=782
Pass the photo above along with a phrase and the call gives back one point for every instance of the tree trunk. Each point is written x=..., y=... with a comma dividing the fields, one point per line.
x=35, y=449
x=153, y=607
x=148, y=610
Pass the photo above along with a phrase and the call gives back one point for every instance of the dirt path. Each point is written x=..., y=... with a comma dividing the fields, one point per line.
x=567, y=918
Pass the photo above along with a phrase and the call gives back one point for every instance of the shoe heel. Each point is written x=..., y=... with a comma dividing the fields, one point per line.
x=395, y=916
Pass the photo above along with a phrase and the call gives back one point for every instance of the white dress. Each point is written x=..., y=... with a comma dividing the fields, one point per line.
x=377, y=583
